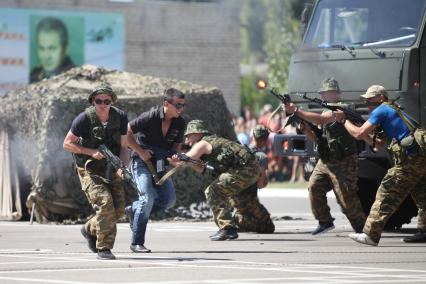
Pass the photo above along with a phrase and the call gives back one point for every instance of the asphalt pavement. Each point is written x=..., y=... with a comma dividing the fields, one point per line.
x=183, y=253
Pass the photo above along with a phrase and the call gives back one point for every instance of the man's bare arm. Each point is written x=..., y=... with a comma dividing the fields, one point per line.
x=70, y=144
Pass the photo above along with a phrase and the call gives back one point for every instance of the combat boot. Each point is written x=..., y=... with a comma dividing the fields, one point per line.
x=419, y=237
x=225, y=234
x=91, y=240
x=105, y=254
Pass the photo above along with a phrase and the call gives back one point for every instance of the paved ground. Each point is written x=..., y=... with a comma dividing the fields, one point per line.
x=182, y=253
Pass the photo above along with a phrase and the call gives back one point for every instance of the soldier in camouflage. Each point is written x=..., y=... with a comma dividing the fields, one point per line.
x=235, y=169
x=101, y=123
x=250, y=215
x=407, y=175
x=337, y=167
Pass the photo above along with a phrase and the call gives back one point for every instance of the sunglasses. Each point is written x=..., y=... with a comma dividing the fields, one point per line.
x=178, y=106
x=105, y=102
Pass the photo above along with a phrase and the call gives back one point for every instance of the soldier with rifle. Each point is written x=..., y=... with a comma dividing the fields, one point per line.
x=100, y=124
x=250, y=215
x=337, y=167
x=160, y=133
x=407, y=150
x=235, y=169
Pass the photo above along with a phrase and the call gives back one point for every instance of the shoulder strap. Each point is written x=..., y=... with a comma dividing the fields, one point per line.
x=409, y=124
x=93, y=118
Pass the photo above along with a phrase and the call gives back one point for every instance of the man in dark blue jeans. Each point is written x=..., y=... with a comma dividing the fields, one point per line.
x=160, y=131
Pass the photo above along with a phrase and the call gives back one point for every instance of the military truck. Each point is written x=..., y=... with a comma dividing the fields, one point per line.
x=362, y=43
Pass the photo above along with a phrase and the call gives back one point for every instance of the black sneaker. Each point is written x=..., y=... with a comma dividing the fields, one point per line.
x=225, y=234
x=105, y=254
x=129, y=213
x=139, y=248
x=91, y=240
x=419, y=237
x=323, y=228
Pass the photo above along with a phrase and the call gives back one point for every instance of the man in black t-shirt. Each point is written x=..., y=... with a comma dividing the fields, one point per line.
x=160, y=132
x=100, y=124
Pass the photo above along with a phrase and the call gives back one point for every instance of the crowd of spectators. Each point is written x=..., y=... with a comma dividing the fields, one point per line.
x=279, y=168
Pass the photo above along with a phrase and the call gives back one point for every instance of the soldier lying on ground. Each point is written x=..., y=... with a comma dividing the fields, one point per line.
x=408, y=174
x=235, y=169
x=100, y=124
x=250, y=215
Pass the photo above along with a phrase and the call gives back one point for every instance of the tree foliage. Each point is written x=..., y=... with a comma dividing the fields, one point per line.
x=282, y=38
x=270, y=33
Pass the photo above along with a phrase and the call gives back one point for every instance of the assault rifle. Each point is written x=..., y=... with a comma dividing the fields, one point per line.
x=293, y=118
x=117, y=164
x=186, y=159
x=349, y=114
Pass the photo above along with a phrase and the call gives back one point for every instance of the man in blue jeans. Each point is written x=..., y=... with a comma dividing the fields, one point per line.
x=160, y=131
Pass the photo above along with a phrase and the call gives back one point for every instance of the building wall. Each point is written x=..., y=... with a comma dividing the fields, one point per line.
x=196, y=42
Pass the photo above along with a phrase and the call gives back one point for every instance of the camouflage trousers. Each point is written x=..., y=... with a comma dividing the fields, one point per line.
x=227, y=185
x=341, y=176
x=250, y=215
x=108, y=201
x=408, y=177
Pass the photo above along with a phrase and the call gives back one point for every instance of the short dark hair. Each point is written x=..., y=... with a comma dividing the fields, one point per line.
x=53, y=24
x=172, y=92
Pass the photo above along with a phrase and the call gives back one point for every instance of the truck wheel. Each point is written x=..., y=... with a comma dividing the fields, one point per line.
x=367, y=194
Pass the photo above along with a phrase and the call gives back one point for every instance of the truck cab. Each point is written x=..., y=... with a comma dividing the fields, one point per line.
x=362, y=43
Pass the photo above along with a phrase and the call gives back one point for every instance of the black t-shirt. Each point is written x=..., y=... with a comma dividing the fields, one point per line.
x=80, y=126
x=149, y=124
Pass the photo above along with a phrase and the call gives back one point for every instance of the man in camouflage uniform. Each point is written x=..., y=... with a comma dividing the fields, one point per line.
x=250, y=215
x=235, y=169
x=337, y=167
x=408, y=174
x=101, y=123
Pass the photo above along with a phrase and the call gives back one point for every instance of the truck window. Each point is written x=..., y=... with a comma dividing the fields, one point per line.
x=364, y=23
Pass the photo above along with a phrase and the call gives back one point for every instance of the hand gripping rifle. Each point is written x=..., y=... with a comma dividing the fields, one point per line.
x=184, y=158
x=117, y=164
x=349, y=114
x=293, y=118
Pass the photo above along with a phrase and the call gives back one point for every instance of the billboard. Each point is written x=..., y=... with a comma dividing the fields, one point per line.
x=38, y=44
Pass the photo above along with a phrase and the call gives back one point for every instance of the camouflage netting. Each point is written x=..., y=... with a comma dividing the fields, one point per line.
x=39, y=116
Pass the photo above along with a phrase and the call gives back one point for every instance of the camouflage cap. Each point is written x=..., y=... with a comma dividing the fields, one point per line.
x=260, y=131
x=329, y=84
x=195, y=126
x=102, y=89
x=375, y=90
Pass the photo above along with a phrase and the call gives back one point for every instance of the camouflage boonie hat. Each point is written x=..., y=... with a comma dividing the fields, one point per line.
x=329, y=84
x=102, y=89
x=260, y=131
x=195, y=126
x=375, y=90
